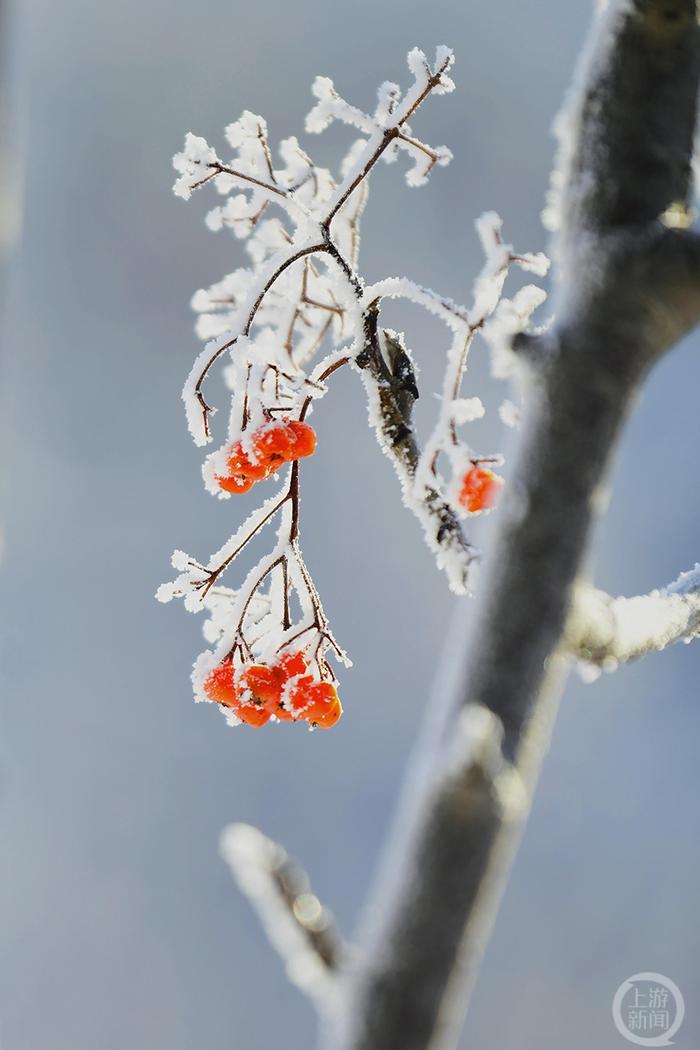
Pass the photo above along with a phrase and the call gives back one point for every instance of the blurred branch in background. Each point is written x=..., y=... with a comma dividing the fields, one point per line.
x=605, y=632
x=297, y=924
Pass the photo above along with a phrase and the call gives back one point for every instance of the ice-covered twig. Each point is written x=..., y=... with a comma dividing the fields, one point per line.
x=605, y=632
x=386, y=365
x=314, y=220
x=197, y=408
x=298, y=925
x=391, y=391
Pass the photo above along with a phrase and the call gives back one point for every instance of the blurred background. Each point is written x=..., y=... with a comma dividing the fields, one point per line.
x=119, y=924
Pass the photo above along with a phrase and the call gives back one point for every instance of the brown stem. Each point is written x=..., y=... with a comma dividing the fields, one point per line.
x=284, y=265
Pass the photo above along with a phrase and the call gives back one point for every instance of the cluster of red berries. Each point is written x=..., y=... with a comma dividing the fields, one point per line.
x=256, y=692
x=479, y=490
x=273, y=444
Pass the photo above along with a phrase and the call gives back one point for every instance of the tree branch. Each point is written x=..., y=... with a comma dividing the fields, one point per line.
x=605, y=632
x=391, y=384
x=627, y=146
x=297, y=924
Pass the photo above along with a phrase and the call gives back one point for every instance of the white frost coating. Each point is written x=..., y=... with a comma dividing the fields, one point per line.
x=192, y=164
x=455, y=410
x=423, y=162
x=192, y=582
x=510, y=318
x=254, y=861
x=193, y=410
x=248, y=134
x=452, y=559
x=687, y=583
x=330, y=106
x=245, y=300
x=388, y=97
x=467, y=409
x=610, y=631
x=487, y=292
x=450, y=313
x=180, y=561
x=251, y=526
x=444, y=60
x=280, y=327
x=509, y=413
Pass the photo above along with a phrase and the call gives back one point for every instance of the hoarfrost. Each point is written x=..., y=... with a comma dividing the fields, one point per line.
x=282, y=326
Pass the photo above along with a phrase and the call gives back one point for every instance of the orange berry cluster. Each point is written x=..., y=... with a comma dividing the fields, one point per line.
x=275, y=443
x=480, y=488
x=256, y=692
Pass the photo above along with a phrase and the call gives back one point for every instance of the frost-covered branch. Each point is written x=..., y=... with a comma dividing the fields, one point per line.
x=298, y=925
x=312, y=215
x=304, y=297
x=273, y=320
x=605, y=632
x=391, y=389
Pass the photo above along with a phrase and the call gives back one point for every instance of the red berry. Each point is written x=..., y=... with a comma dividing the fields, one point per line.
x=252, y=714
x=273, y=444
x=220, y=685
x=315, y=702
x=480, y=488
x=261, y=687
x=262, y=683
x=281, y=712
x=291, y=664
x=328, y=717
x=241, y=463
x=304, y=439
x=255, y=693
x=242, y=471
x=284, y=441
x=298, y=696
x=323, y=705
x=235, y=484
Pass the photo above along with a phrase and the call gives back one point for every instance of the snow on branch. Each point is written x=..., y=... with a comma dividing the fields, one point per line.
x=606, y=632
x=298, y=925
x=391, y=391
x=391, y=388
x=282, y=326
